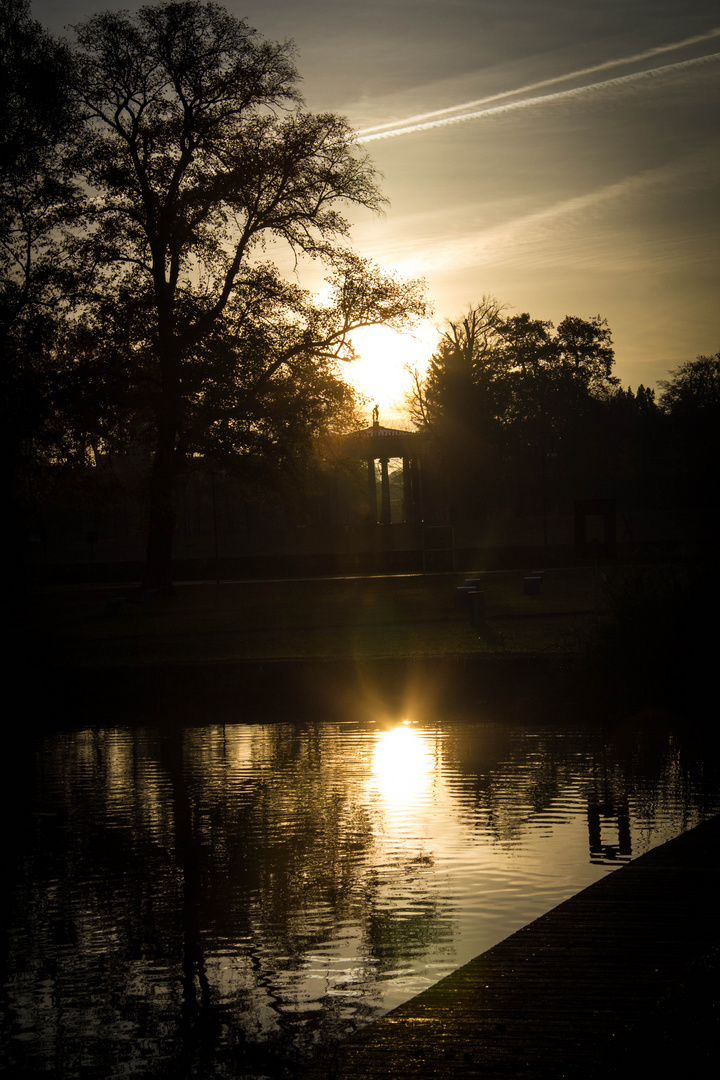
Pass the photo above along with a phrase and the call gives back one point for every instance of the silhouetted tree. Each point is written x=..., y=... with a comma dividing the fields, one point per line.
x=466, y=368
x=197, y=154
x=556, y=380
x=693, y=389
x=500, y=392
x=619, y=448
x=35, y=196
x=459, y=401
x=690, y=401
x=551, y=374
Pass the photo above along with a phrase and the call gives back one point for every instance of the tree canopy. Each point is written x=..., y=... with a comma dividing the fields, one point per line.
x=154, y=177
x=693, y=389
x=690, y=403
x=197, y=154
x=501, y=391
x=36, y=195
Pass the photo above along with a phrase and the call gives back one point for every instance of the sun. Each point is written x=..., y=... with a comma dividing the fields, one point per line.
x=381, y=374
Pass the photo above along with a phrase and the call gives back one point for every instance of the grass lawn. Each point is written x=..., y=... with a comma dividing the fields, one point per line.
x=411, y=615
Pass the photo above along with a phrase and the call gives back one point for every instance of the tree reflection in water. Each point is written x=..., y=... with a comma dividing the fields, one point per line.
x=218, y=900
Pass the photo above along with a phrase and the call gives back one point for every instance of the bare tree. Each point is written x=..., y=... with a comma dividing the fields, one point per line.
x=198, y=153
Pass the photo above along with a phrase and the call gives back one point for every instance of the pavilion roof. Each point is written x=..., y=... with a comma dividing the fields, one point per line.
x=377, y=431
x=380, y=441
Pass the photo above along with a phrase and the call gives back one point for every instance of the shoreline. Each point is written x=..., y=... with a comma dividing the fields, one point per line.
x=619, y=979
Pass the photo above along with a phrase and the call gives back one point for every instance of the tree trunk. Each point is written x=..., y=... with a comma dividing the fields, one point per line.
x=161, y=526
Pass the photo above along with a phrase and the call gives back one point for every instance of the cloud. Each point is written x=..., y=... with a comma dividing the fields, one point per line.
x=416, y=124
x=601, y=228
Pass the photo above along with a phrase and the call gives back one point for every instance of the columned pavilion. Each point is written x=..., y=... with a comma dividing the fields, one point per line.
x=382, y=443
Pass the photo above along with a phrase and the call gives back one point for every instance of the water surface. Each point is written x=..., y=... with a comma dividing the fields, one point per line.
x=221, y=900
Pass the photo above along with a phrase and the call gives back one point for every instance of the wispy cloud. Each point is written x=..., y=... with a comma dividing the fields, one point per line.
x=571, y=231
x=456, y=115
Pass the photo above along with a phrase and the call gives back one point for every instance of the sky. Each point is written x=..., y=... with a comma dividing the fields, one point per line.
x=562, y=156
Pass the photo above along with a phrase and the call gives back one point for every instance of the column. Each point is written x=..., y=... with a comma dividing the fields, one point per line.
x=408, y=512
x=416, y=487
x=371, y=492
x=385, y=498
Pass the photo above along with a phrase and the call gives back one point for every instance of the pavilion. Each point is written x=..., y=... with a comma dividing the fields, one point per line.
x=382, y=443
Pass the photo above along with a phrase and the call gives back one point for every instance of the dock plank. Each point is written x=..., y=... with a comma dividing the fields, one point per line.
x=623, y=976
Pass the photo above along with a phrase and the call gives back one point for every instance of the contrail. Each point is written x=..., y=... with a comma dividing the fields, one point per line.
x=410, y=126
x=606, y=65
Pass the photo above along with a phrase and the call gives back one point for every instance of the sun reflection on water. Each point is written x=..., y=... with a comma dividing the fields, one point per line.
x=402, y=765
x=332, y=871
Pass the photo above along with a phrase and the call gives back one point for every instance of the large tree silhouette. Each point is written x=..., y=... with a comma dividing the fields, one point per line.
x=500, y=392
x=198, y=153
x=35, y=195
x=690, y=402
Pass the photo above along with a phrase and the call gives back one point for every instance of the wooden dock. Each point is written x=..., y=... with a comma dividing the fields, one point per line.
x=620, y=980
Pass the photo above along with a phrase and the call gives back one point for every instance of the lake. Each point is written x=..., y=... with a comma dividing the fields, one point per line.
x=221, y=900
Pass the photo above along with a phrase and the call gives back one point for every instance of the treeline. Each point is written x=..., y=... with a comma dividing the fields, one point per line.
x=150, y=173
x=526, y=416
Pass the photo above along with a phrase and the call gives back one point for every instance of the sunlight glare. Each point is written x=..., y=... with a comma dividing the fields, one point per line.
x=380, y=374
x=402, y=765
